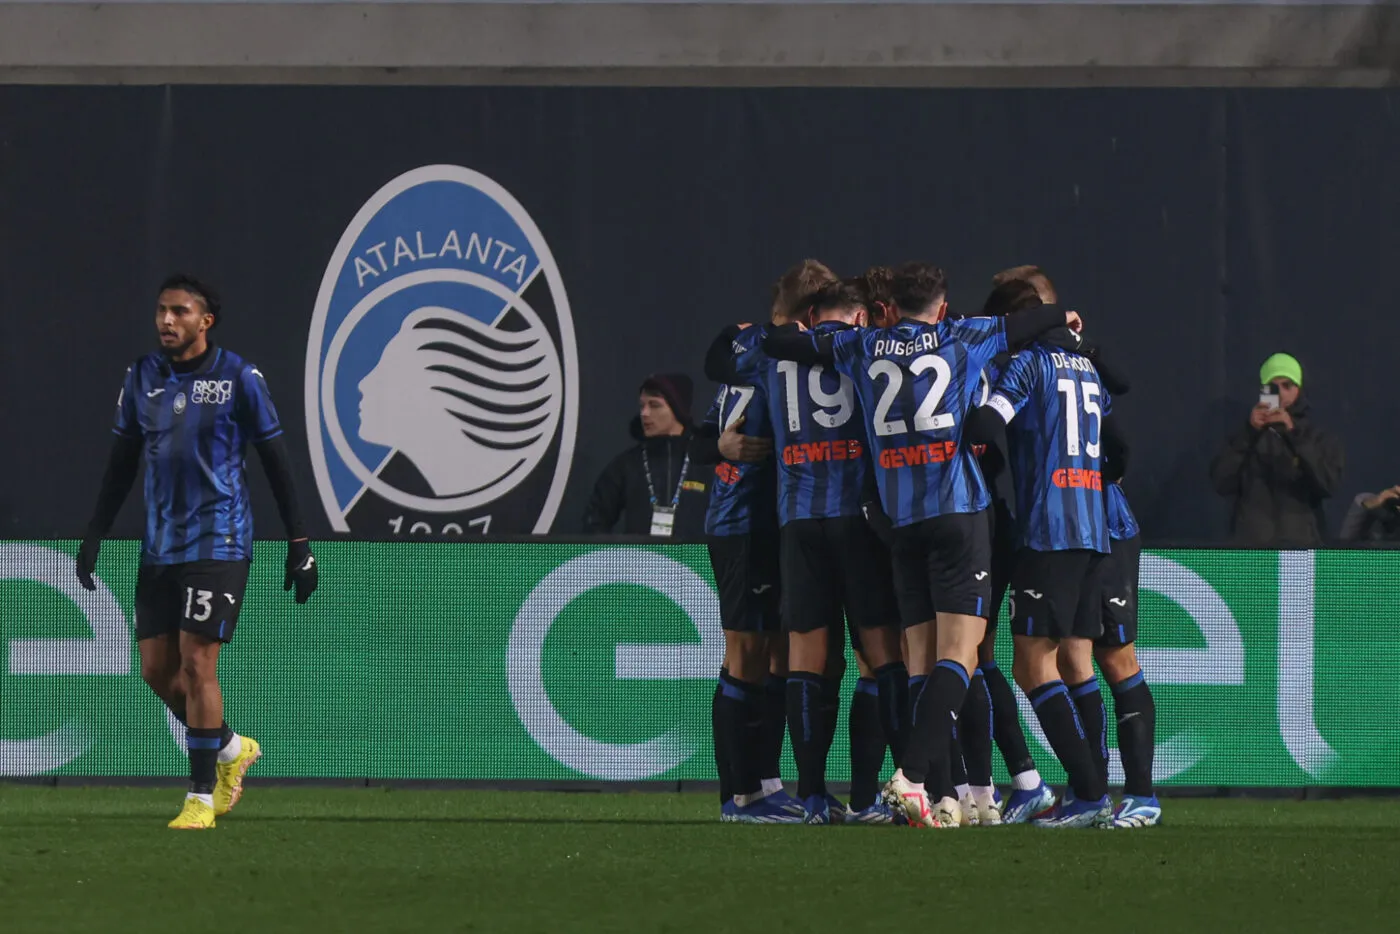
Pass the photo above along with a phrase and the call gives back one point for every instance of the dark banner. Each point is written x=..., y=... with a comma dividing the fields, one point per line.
x=557, y=244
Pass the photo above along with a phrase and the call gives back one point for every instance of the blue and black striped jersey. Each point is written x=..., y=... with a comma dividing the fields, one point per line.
x=743, y=497
x=1122, y=524
x=1054, y=406
x=818, y=433
x=915, y=382
x=196, y=427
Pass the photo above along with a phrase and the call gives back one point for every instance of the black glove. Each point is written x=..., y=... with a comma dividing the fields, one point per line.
x=87, y=562
x=1065, y=339
x=301, y=570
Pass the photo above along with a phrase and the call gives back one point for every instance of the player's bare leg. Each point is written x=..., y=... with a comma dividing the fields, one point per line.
x=1136, y=714
x=160, y=669
x=204, y=711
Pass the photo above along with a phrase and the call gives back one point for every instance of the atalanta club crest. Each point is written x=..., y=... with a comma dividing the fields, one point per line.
x=441, y=369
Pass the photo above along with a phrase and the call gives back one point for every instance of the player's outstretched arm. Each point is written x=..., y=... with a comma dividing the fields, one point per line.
x=1025, y=326
x=116, y=483
x=790, y=342
x=301, y=563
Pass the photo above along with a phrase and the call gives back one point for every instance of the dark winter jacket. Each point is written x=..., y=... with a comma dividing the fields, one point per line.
x=621, y=491
x=1276, y=481
x=1371, y=524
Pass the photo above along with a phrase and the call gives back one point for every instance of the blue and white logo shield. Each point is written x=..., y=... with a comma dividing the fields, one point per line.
x=442, y=372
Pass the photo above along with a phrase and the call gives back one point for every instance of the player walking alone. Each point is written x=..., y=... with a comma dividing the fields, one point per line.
x=192, y=407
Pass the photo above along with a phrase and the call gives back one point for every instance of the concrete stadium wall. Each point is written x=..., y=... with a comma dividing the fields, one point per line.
x=726, y=44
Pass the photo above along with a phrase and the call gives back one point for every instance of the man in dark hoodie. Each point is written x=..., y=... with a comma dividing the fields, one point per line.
x=657, y=487
x=1278, y=468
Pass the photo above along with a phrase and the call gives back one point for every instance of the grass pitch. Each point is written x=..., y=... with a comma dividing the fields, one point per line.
x=332, y=860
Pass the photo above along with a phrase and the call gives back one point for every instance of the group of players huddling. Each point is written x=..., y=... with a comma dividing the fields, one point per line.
x=896, y=431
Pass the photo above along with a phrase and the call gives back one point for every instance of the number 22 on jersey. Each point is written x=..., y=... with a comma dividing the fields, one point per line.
x=926, y=416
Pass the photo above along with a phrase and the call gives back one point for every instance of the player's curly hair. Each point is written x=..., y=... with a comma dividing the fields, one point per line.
x=916, y=287
x=200, y=290
x=875, y=288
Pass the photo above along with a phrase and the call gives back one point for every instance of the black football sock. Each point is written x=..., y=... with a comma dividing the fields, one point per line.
x=203, y=746
x=774, y=726
x=893, y=683
x=1006, y=722
x=1088, y=701
x=975, y=731
x=1136, y=713
x=831, y=712
x=905, y=763
x=957, y=767
x=807, y=728
x=1060, y=721
x=939, y=782
x=721, y=742
x=930, y=727
x=867, y=744
x=177, y=710
x=740, y=715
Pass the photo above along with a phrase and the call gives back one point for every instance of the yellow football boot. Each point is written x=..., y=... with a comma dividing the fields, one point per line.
x=195, y=815
x=230, y=786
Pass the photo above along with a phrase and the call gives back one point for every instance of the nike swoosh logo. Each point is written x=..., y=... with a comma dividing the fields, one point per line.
x=153, y=393
x=764, y=589
x=980, y=575
x=1117, y=601
x=229, y=598
x=1032, y=594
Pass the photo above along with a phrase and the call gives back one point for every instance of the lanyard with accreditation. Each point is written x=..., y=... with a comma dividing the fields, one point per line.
x=663, y=518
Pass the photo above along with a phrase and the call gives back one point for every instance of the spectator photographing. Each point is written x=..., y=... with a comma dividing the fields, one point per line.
x=656, y=487
x=1279, y=467
x=1373, y=517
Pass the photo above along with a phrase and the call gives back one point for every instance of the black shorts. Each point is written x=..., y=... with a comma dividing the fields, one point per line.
x=202, y=597
x=835, y=570
x=1004, y=548
x=943, y=565
x=1057, y=594
x=746, y=576
x=1120, y=593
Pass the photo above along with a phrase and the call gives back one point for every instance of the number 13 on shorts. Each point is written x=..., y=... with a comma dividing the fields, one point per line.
x=199, y=605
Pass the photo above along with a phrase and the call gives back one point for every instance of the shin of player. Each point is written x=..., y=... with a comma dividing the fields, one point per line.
x=177, y=405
